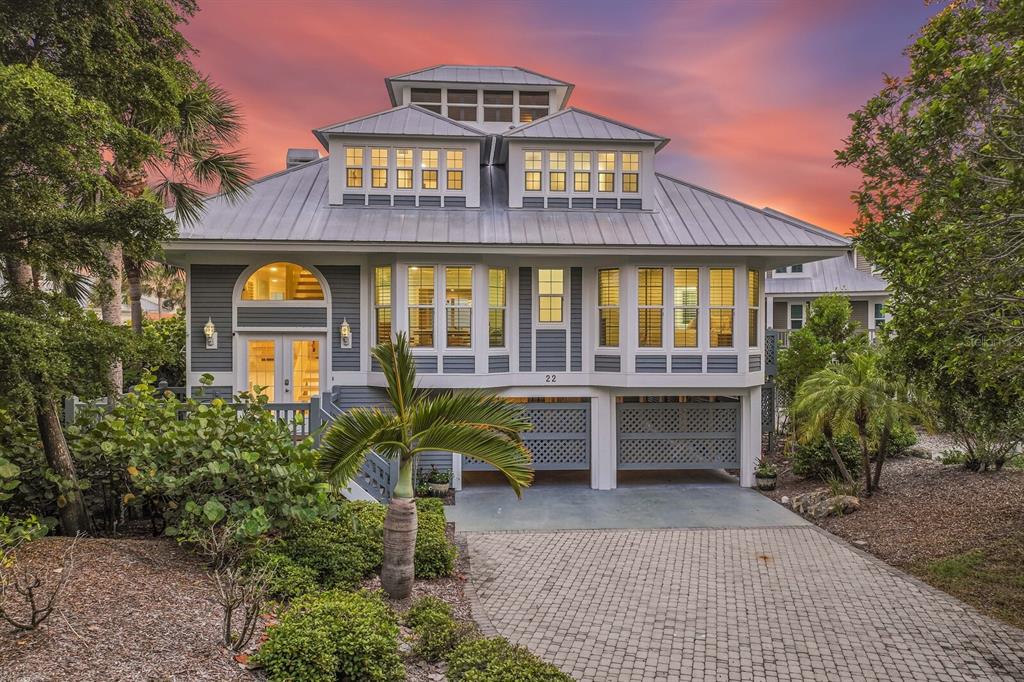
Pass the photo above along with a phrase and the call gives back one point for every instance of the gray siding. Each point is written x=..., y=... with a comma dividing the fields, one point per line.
x=651, y=364
x=347, y=397
x=442, y=461
x=211, y=290
x=282, y=316
x=722, y=364
x=859, y=313
x=755, y=363
x=550, y=350
x=780, y=313
x=525, y=319
x=426, y=364
x=687, y=364
x=607, y=363
x=344, y=281
x=211, y=392
x=497, y=363
x=576, y=319
x=459, y=364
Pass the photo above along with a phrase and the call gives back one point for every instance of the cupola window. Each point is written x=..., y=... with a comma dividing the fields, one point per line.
x=282, y=282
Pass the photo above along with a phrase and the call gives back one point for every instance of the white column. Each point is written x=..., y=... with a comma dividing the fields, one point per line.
x=750, y=435
x=603, y=475
x=456, y=471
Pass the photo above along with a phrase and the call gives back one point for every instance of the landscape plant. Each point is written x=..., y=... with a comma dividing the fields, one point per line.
x=471, y=422
x=495, y=659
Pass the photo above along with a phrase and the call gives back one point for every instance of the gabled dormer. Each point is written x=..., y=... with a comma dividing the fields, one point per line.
x=577, y=159
x=491, y=98
x=406, y=156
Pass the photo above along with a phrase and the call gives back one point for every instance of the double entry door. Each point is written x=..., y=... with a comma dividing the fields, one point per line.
x=287, y=366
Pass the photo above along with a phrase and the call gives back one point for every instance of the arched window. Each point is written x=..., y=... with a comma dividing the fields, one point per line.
x=282, y=282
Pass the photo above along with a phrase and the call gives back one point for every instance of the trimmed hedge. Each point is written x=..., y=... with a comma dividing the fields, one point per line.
x=334, y=635
x=494, y=659
x=435, y=554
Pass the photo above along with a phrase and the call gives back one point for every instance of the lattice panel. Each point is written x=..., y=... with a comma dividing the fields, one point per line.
x=568, y=420
x=698, y=453
x=560, y=454
x=768, y=407
x=675, y=418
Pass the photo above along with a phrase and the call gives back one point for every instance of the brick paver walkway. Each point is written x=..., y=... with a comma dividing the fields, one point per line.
x=747, y=604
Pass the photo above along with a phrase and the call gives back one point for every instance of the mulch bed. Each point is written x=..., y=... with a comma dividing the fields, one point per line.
x=927, y=511
x=133, y=609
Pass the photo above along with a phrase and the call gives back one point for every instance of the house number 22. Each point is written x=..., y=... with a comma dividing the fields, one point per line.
x=550, y=378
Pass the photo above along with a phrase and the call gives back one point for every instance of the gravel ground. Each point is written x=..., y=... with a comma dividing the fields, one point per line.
x=134, y=609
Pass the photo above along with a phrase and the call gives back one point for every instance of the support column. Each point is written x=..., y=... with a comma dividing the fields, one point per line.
x=602, y=442
x=750, y=435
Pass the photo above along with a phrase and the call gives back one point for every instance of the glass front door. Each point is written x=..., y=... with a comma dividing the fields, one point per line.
x=286, y=367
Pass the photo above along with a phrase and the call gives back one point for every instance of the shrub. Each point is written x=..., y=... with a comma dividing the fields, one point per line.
x=332, y=550
x=286, y=578
x=494, y=659
x=437, y=633
x=334, y=635
x=953, y=456
x=814, y=460
x=901, y=438
x=423, y=607
x=435, y=554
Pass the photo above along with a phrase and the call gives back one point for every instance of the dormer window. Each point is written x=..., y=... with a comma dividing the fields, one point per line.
x=532, y=164
x=428, y=164
x=533, y=105
x=354, y=167
x=428, y=98
x=498, y=106
x=557, y=164
x=379, y=168
x=630, y=171
x=462, y=105
x=606, y=171
x=453, y=161
x=581, y=171
x=403, y=165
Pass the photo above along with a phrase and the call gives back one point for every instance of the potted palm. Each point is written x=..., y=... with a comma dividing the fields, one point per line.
x=765, y=476
x=474, y=423
x=439, y=481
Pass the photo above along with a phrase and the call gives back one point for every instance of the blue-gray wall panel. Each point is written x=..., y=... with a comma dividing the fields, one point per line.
x=525, y=319
x=282, y=316
x=426, y=364
x=687, y=364
x=722, y=364
x=442, y=461
x=211, y=289
x=607, y=363
x=651, y=364
x=576, y=319
x=347, y=397
x=344, y=281
x=550, y=350
x=459, y=364
x=755, y=363
x=497, y=363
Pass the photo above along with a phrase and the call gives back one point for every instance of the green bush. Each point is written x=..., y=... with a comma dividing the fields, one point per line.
x=952, y=456
x=435, y=554
x=286, y=578
x=334, y=635
x=901, y=438
x=424, y=607
x=814, y=460
x=437, y=633
x=494, y=659
x=333, y=550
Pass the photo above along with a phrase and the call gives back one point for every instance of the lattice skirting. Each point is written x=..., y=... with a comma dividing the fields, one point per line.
x=678, y=436
x=560, y=439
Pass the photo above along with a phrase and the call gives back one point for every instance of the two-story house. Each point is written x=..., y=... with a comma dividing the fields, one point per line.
x=524, y=246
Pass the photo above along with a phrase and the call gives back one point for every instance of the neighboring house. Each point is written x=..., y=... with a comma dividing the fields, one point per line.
x=524, y=247
x=791, y=290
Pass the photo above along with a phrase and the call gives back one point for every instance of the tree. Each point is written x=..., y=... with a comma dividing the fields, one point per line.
x=941, y=202
x=850, y=396
x=829, y=336
x=472, y=423
x=167, y=283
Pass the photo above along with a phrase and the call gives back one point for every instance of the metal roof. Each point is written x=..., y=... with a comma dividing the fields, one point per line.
x=292, y=205
x=407, y=119
x=577, y=124
x=833, y=275
x=453, y=73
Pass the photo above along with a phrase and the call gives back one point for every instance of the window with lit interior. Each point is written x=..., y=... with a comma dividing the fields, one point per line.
x=282, y=282
x=403, y=169
x=608, y=308
x=650, y=294
x=532, y=164
x=685, y=306
x=354, y=167
x=551, y=294
x=557, y=165
x=379, y=167
x=533, y=105
x=581, y=171
x=606, y=171
x=453, y=169
x=753, y=307
x=631, y=172
x=720, y=315
x=458, y=303
x=428, y=168
x=421, y=306
x=496, y=304
x=382, y=303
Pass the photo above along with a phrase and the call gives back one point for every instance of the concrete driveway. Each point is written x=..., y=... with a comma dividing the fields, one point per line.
x=683, y=499
x=783, y=602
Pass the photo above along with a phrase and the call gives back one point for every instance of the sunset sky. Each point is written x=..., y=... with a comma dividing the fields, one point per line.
x=754, y=95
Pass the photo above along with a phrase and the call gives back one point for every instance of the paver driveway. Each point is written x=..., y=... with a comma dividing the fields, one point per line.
x=738, y=604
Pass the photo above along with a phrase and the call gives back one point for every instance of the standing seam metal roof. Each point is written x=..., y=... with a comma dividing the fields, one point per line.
x=452, y=73
x=407, y=119
x=833, y=275
x=293, y=205
x=577, y=124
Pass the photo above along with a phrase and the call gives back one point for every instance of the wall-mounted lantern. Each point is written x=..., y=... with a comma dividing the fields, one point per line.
x=346, y=333
x=211, y=334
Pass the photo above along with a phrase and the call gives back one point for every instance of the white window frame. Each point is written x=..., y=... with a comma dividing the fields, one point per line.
x=564, y=324
x=802, y=305
x=698, y=308
x=756, y=332
x=377, y=307
x=734, y=347
x=361, y=167
x=660, y=305
x=447, y=306
x=503, y=308
x=599, y=307
x=409, y=306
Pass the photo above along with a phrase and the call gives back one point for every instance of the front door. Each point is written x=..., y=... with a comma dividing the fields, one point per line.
x=285, y=365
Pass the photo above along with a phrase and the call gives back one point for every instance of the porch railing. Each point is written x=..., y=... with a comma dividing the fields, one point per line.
x=377, y=476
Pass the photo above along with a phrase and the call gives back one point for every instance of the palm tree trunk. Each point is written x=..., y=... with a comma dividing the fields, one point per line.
x=865, y=456
x=134, y=276
x=883, y=448
x=398, y=570
x=110, y=311
x=840, y=464
x=73, y=517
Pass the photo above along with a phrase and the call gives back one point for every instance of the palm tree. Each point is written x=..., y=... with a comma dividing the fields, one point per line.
x=851, y=393
x=819, y=417
x=166, y=282
x=473, y=423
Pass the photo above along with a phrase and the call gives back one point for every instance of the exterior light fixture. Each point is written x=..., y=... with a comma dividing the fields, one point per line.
x=211, y=334
x=346, y=334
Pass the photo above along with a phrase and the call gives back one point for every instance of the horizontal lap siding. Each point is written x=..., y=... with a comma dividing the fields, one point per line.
x=426, y=364
x=347, y=397
x=459, y=364
x=576, y=319
x=282, y=316
x=551, y=350
x=651, y=364
x=343, y=281
x=497, y=363
x=687, y=364
x=722, y=364
x=211, y=288
x=755, y=363
x=607, y=363
x=442, y=461
x=525, y=319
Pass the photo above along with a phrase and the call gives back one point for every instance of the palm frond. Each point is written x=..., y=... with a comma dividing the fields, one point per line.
x=471, y=407
x=351, y=436
x=399, y=367
x=505, y=453
x=185, y=199
x=229, y=171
